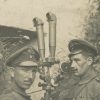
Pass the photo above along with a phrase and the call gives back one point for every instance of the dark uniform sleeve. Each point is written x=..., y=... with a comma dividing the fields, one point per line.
x=97, y=94
x=5, y=97
x=96, y=90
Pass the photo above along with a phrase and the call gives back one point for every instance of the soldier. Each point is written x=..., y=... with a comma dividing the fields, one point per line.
x=22, y=65
x=21, y=60
x=82, y=56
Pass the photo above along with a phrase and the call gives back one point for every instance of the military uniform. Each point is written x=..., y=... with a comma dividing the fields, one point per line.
x=64, y=86
x=14, y=94
x=24, y=54
x=88, y=87
x=22, y=59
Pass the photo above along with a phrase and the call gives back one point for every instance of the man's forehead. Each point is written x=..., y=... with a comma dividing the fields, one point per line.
x=28, y=63
x=79, y=55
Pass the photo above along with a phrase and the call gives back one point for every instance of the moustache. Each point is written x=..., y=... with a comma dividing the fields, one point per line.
x=73, y=69
x=28, y=81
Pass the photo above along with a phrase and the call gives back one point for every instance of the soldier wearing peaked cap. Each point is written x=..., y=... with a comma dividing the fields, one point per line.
x=77, y=46
x=22, y=61
x=82, y=55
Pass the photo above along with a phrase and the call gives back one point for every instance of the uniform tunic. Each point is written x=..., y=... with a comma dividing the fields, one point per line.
x=14, y=94
x=88, y=88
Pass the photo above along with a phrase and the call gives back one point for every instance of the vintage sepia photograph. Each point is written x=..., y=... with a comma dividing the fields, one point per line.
x=49, y=49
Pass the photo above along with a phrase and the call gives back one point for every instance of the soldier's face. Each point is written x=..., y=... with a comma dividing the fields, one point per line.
x=24, y=75
x=80, y=64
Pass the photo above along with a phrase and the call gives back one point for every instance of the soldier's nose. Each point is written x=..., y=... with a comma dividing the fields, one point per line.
x=73, y=65
x=30, y=74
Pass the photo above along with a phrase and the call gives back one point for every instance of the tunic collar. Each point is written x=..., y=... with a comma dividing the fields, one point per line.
x=18, y=90
x=88, y=76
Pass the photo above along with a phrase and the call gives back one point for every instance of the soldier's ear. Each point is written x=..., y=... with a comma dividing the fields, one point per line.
x=89, y=60
x=11, y=71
